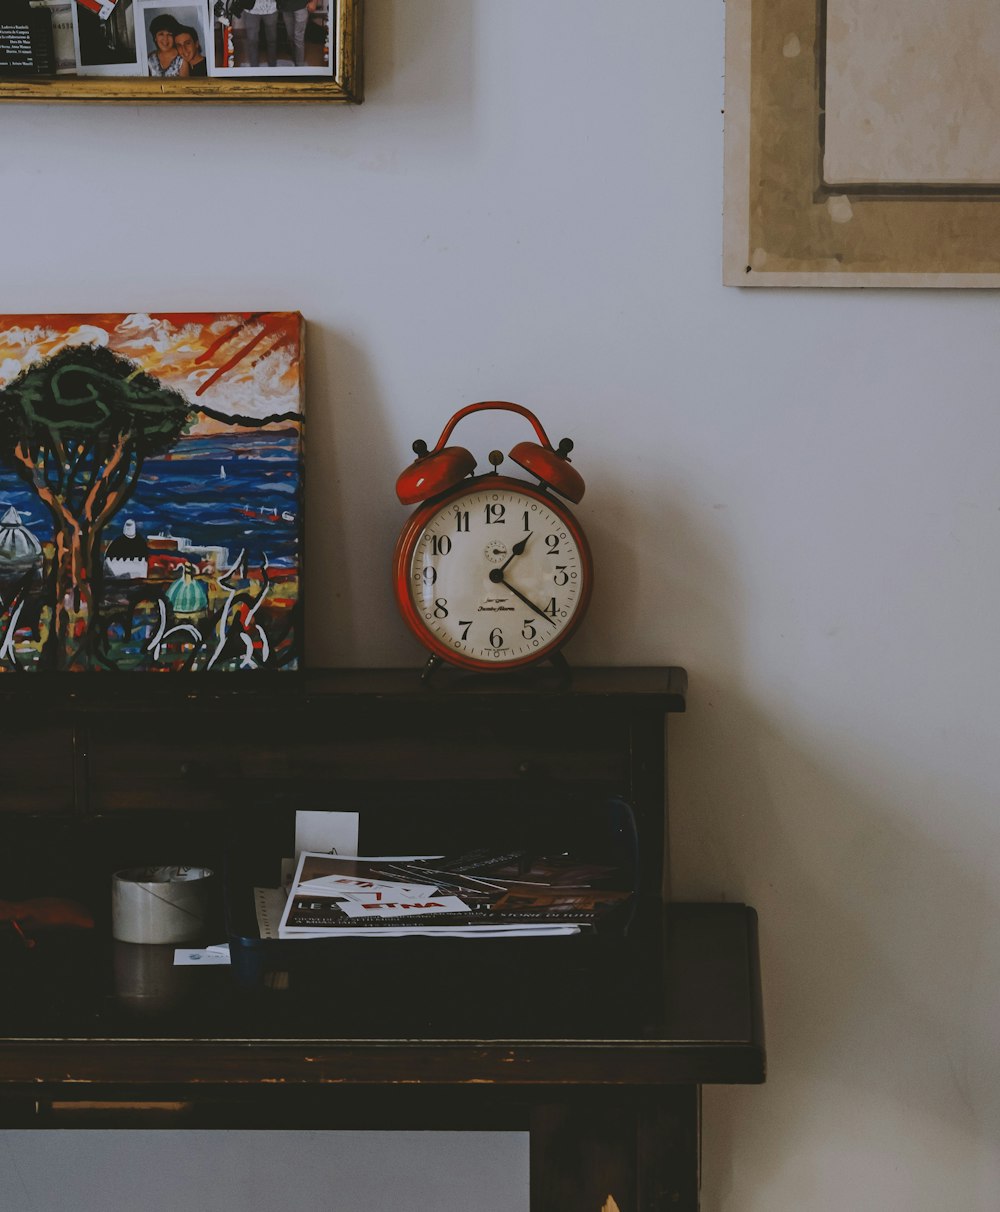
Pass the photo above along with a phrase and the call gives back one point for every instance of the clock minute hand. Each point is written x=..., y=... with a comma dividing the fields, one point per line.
x=499, y=580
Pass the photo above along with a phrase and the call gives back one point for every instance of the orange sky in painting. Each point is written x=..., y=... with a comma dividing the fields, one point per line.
x=232, y=362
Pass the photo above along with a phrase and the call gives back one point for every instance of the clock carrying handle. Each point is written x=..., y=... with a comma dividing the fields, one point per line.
x=437, y=470
x=499, y=406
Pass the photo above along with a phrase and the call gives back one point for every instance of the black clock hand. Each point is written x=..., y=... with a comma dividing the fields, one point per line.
x=496, y=576
x=516, y=550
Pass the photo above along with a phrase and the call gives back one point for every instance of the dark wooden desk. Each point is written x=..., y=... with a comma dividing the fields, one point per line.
x=599, y=1051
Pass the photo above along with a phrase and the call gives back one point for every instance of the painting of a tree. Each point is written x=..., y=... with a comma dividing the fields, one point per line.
x=77, y=428
x=151, y=492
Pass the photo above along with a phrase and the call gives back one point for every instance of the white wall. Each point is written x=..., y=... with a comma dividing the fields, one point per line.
x=795, y=495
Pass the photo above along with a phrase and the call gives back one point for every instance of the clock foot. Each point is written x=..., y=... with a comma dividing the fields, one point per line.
x=468, y=679
x=561, y=666
x=433, y=662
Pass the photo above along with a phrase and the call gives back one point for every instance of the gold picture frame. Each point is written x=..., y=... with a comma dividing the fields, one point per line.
x=790, y=220
x=344, y=85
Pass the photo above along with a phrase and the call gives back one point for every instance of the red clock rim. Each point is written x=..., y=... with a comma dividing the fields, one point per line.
x=407, y=541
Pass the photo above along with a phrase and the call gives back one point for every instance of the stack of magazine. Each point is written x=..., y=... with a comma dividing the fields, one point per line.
x=478, y=894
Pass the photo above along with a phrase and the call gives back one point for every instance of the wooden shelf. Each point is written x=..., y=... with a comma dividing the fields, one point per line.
x=597, y=1044
x=662, y=688
x=687, y=1010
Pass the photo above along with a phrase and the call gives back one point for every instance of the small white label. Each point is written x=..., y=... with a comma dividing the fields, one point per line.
x=202, y=956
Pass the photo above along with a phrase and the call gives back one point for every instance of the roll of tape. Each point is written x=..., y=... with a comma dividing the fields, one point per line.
x=159, y=904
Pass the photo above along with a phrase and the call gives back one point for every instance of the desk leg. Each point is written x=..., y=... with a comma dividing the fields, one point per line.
x=617, y=1151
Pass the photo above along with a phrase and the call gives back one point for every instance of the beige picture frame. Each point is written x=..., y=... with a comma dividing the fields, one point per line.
x=830, y=178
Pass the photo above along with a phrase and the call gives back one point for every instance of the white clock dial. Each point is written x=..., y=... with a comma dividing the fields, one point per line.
x=497, y=575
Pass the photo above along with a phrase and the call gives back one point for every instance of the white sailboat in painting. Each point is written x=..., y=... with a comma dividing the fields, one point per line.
x=222, y=471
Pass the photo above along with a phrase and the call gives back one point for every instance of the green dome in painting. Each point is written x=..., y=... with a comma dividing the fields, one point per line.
x=187, y=596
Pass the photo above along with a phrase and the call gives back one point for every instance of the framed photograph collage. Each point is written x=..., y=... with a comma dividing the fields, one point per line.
x=180, y=50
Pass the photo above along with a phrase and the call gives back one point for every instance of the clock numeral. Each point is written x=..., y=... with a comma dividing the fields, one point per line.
x=495, y=513
x=561, y=576
x=440, y=608
x=430, y=574
x=528, y=630
x=552, y=543
x=496, y=637
x=526, y=527
x=461, y=520
x=441, y=545
x=551, y=608
x=466, y=624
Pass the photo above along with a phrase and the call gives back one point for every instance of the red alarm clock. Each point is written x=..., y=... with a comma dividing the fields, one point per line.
x=492, y=572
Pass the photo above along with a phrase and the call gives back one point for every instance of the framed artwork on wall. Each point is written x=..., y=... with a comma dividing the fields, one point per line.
x=151, y=492
x=182, y=50
x=861, y=143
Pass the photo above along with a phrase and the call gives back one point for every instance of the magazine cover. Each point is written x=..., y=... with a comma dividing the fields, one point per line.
x=333, y=895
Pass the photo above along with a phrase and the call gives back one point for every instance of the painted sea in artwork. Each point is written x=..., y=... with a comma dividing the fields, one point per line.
x=150, y=493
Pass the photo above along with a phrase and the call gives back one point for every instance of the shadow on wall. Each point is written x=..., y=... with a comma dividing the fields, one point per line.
x=878, y=940
x=421, y=59
x=877, y=946
x=348, y=591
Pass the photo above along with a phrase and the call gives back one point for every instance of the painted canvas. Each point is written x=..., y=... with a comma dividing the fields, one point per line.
x=151, y=492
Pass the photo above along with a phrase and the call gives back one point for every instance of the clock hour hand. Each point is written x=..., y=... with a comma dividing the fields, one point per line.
x=496, y=576
x=516, y=550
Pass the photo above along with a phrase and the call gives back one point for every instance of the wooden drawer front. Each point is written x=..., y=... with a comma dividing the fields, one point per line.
x=36, y=768
x=198, y=762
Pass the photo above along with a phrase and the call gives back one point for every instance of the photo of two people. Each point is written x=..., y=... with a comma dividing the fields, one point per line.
x=257, y=37
x=174, y=42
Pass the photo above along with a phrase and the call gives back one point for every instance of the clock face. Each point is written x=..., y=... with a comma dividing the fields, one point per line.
x=496, y=574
